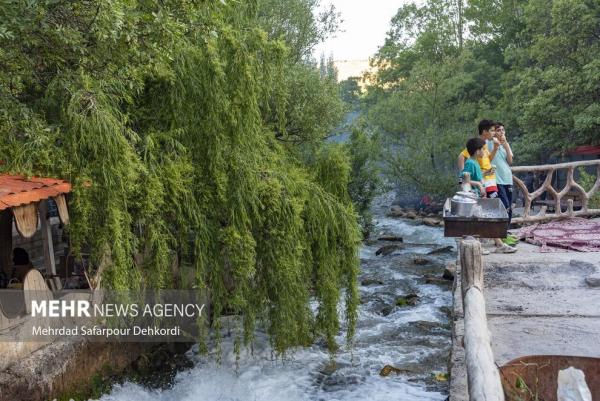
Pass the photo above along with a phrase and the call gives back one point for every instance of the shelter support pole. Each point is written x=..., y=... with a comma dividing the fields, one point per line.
x=47, y=238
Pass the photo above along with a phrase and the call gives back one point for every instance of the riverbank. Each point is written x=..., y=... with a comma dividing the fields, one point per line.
x=536, y=304
x=80, y=370
x=429, y=218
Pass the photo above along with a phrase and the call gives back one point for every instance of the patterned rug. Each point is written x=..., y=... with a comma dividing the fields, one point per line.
x=576, y=234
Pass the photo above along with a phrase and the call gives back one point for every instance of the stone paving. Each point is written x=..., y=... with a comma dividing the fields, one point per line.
x=537, y=304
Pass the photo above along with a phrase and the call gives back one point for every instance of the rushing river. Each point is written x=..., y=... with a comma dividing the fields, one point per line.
x=415, y=338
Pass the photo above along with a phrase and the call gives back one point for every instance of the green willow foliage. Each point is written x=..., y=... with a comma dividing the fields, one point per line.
x=165, y=117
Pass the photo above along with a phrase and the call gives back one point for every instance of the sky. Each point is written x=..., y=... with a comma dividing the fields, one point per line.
x=363, y=29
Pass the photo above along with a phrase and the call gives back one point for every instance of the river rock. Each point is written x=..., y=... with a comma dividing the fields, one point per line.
x=449, y=272
x=371, y=281
x=429, y=279
x=386, y=310
x=418, y=260
x=447, y=311
x=407, y=300
x=411, y=215
x=441, y=376
x=426, y=326
x=593, y=280
x=328, y=368
x=428, y=221
x=396, y=211
x=387, y=249
x=389, y=369
x=391, y=238
x=445, y=249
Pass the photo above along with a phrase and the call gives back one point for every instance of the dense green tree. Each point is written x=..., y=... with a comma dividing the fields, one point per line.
x=365, y=181
x=168, y=117
x=350, y=90
x=312, y=108
x=300, y=23
x=447, y=63
x=552, y=88
x=303, y=109
x=428, y=96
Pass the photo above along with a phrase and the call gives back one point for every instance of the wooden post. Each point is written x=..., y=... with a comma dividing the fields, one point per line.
x=471, y=264
x=47, y=237
x=6, y=223
x=482, y=374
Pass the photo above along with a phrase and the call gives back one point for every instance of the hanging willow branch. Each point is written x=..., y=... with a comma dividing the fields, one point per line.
x=163, y=111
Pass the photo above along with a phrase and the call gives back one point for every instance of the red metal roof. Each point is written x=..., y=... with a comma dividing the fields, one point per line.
x=585, y=150
x=16, y=190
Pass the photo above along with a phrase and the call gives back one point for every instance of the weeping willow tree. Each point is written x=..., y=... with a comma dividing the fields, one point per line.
x=164, y=117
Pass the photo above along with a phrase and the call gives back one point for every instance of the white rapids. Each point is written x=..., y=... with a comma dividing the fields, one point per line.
x=416, y=338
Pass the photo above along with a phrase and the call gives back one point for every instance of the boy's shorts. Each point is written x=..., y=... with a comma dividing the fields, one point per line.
x=492, y=195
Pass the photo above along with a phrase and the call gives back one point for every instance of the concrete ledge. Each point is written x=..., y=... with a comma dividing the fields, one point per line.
x=536, y=304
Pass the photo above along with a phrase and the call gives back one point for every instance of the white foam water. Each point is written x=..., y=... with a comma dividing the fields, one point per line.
x=306, y=374
x=412, y=232
x=260, y=378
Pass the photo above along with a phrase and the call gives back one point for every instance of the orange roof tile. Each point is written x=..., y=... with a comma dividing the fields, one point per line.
x=16, y=190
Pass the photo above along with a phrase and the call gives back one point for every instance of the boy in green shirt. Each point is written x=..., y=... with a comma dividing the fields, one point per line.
x=475, y=149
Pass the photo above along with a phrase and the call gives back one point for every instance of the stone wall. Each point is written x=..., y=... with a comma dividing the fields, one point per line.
x=14, y=351
x=64, y=368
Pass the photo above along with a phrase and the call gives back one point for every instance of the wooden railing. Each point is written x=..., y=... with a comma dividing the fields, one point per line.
x=483, y=376
x=570, y=187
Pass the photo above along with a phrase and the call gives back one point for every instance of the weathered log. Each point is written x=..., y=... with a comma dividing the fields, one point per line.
x=482, y=374
x=471, y=264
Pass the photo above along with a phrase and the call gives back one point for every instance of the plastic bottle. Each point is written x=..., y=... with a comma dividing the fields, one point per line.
x=466, y=182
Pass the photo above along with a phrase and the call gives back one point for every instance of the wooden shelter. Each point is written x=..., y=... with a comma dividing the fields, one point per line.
x=25, y=202
x=24, y=209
